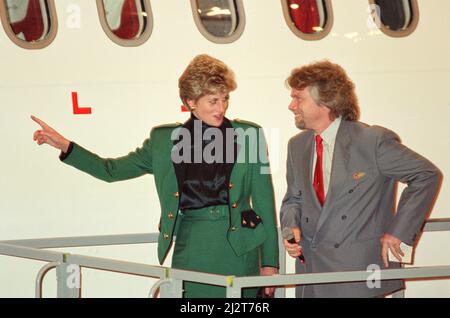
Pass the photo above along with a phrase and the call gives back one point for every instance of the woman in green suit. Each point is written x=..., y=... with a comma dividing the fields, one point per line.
x=212, y=177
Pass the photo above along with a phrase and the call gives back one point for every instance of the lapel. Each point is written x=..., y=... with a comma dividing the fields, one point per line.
x=178, y=169
x=339, y=172
x=236, y=167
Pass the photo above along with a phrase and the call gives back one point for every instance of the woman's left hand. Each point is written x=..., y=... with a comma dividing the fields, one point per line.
x=269, y=271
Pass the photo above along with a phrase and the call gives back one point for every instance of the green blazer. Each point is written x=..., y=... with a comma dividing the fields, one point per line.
x=248, y=188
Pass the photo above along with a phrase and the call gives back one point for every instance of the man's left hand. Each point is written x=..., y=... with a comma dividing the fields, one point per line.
x=269, y=271
x=390, y=242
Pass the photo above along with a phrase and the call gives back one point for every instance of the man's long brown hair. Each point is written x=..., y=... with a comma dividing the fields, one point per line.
x=329, y=86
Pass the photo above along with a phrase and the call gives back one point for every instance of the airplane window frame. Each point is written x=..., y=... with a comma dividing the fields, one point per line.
x=412, y=26
x=328, y=9
x=35, y=45
x=217, y=39
x=145, y=35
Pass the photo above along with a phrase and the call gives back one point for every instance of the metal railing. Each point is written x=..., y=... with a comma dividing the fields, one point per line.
x=170, y=281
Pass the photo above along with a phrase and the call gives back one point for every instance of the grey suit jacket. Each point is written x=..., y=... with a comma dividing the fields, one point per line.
x=345, y=233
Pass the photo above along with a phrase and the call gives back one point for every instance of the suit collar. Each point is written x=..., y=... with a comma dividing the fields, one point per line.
x=341, y=158
x=329, y=134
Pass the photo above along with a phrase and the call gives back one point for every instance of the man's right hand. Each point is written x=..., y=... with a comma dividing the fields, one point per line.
x=47, y=135
x=294, y=249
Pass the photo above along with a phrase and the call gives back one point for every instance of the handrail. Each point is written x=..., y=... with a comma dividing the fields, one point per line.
x=431, y=225
x=84, y=241
x=40, y=277
x=413, y=273
x=112, y=265
x=345, y=276
x=170, y=275
x=30, y=253
x=155, y=287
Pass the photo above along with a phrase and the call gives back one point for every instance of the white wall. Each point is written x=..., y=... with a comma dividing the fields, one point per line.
x=402, y=84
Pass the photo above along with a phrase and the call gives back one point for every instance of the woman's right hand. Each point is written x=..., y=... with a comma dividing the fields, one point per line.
x=47, y=135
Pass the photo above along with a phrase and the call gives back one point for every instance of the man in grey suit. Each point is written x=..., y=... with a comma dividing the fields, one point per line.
x=341, y=178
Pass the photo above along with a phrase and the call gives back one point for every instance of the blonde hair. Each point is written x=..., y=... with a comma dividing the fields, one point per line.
x=205, y=75
x=330, y=86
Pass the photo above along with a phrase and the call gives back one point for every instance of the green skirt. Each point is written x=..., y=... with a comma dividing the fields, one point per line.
x=202, y=245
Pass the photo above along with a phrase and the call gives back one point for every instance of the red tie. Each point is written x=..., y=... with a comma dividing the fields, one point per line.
x=318, y=172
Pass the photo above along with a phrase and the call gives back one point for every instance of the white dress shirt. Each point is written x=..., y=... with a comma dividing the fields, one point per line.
x=328, y=141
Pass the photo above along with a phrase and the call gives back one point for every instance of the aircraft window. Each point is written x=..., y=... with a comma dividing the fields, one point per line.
x=126, y=22
x=308, y=19
x=220, y=21
x=31, y=24
x=397, y=18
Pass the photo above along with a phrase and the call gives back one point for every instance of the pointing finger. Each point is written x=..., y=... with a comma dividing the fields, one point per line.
x=40, y=122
